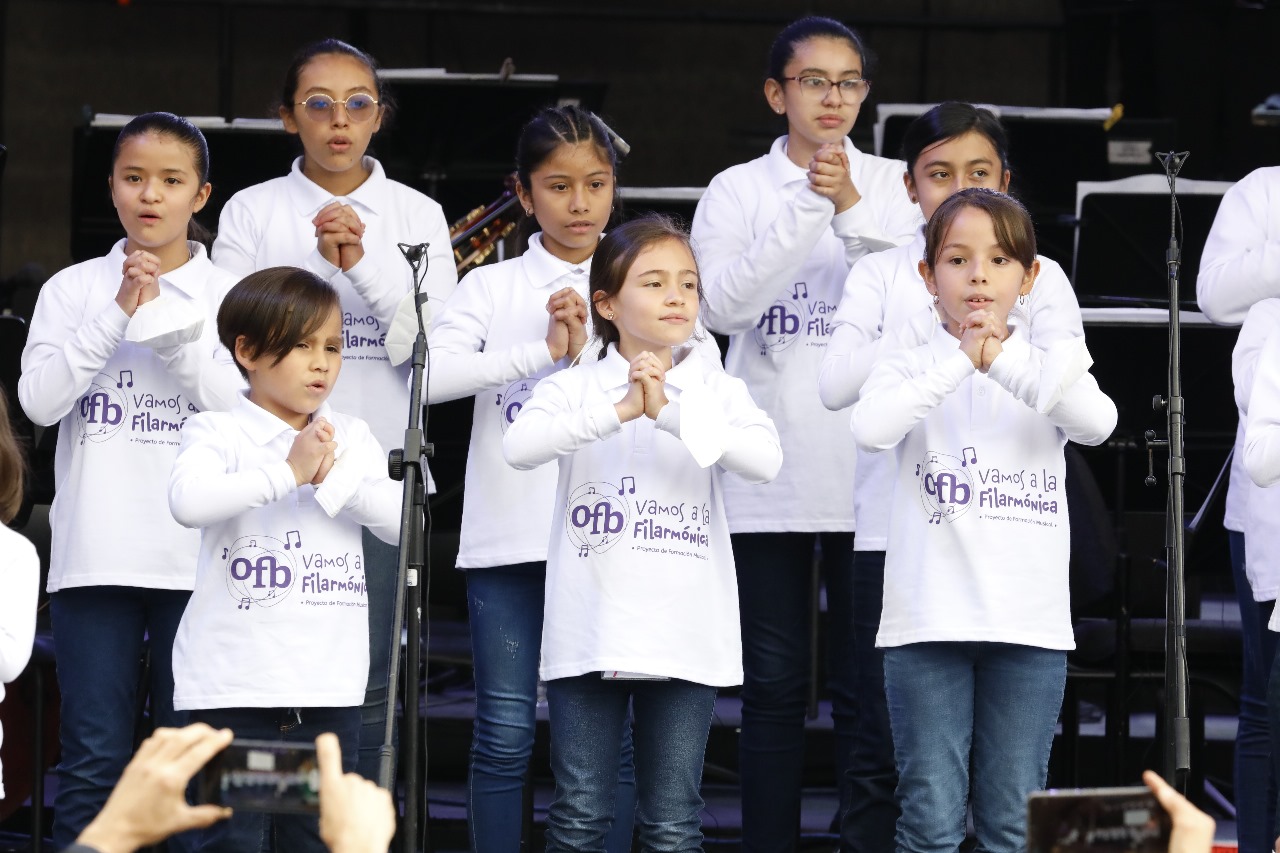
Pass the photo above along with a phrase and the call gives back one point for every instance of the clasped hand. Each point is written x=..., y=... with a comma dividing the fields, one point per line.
x=829, y=176
x=339, y=233
x=981, y=334
x=141, y=281
x=646, y=391
x=567, y=324
x=311, y=456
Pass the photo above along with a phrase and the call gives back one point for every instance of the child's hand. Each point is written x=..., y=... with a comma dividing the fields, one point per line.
x=310, y=447
x=991, y=348
x=974, y=332
x=829, y=176
x=338, y=235
x=648, y=370
x=631, y=406
x=566, y=329
x=140, y=283
x=326, y=464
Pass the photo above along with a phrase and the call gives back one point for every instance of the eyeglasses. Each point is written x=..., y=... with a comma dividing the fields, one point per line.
x=360, y=107
x=852, y=91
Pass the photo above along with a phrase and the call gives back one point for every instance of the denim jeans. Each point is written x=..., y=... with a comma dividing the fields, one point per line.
x=381, y=564
x=250, y=832
x=672, y=720
x=505, y=605
x=1254, y=778
x=989, y=706
x=871, y=812
x=774, y=571
x=98, y=634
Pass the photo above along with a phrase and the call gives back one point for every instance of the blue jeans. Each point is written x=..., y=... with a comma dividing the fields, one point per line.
x=870, y=813
x=98, y=634
x=989, y=706
x=249, y=832
x=1254, y=778
x=588, y=721
x=381, y=564
x=505, y=605
x=774, y=571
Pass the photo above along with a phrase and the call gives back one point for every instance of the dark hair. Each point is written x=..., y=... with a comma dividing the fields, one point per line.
x=325, y=47
x=183, y=131
x=273, y=309
x=814, y=27
x=543, y=135
x=1009, y=219
x=614, y=256
x=13, y=464
x=949, y=120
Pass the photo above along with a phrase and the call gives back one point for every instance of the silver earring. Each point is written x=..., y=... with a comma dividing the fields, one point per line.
x=1023, y=299
x=528, y=211
x=610, y=317
x=935, y=299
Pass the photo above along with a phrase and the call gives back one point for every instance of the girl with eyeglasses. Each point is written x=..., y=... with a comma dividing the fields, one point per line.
x=776, y=237
x=337, y=215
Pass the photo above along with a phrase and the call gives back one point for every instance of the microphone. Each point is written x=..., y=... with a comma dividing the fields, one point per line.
x=413, y=253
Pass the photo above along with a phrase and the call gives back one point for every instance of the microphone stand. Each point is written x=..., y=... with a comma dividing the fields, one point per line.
x=1177, y=733
x=408, y=464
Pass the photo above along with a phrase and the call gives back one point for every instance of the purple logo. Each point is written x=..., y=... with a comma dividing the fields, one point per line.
x=946, y=489
x=103, y=409
x=779, y=326
x=260, y=570
x=511, y=401
x=597, y=516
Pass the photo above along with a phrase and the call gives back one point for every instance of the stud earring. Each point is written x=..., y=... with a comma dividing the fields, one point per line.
x=610, y=317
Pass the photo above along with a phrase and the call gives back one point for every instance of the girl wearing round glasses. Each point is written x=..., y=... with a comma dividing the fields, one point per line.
x=776, y=237
x=338, y=215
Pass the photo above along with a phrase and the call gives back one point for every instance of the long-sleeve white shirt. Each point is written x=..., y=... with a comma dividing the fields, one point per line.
x=773, y=256
x=279, y=615
x=885, y=305
x=19, y=588
x=120, y=406
x=489, y=340
x=1261, y=506
x=1241, y=260
x=979, y=537
x=1239, y=267
x=269, y=225
x=640, y=572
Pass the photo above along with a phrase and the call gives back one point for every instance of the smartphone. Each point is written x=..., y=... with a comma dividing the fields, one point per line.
x=263, y=776
x=1114, y=820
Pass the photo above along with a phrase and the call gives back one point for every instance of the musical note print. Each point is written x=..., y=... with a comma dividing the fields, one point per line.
x=632, y=489
x=244, y=604
x=122, y=382
x=296, y=535
x=971, y=453
x=584, y=551
x=224, y=553
x=936, y=518
x=801, y=290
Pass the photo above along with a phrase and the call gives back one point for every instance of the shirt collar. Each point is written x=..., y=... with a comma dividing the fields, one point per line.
x=684, y=372
x=309, y=197
x=944, y=343
x=782, y=171
x=190, y=278
x=262, y=427
x=542, y=268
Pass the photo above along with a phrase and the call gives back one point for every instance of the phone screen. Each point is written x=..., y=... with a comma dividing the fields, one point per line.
x=263, y=776
x=1113, y=820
